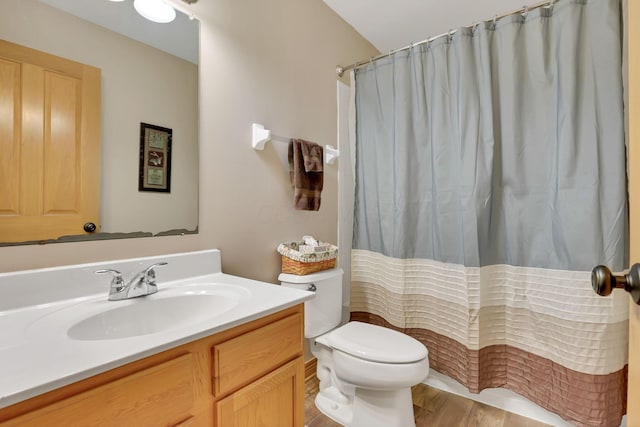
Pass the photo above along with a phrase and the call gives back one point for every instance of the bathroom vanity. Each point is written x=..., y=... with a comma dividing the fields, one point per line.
x=241, y=364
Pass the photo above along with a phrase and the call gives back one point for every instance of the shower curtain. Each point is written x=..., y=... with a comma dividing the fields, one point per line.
x=490, y=180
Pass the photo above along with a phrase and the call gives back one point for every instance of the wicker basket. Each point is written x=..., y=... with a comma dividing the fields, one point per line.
x=300, y=264
x=299, y=268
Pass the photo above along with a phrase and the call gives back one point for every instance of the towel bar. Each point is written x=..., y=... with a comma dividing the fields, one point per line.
x=330, y=154
x=260, y=136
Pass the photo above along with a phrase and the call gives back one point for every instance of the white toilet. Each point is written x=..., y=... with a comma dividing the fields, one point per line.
x=365, y=371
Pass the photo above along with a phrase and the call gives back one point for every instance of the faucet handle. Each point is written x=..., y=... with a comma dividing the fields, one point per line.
x=117, y=281
x=149, y=273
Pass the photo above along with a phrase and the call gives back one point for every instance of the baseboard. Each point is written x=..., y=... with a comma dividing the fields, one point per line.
x=310, y=369
x=500, y=398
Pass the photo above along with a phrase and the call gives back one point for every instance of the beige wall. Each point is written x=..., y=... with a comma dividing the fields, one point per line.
x=267, y=62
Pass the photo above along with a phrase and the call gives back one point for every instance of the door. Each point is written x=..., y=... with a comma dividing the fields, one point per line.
x=633, y=407
x=49, y=145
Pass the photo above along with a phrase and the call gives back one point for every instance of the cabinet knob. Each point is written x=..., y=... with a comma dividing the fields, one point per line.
x=604, y=281
x=89, y=227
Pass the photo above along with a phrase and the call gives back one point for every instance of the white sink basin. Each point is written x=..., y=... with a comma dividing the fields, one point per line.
x=150, y=316
x=170, y=308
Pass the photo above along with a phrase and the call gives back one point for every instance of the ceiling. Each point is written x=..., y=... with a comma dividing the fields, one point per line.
x=387, y=24
x=393, y=24
x=179, y=38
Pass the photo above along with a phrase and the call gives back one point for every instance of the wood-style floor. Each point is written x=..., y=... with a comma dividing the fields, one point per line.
x=432, y=408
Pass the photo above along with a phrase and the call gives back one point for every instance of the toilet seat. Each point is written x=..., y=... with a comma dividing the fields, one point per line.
x=378, y=375
x=374, y=343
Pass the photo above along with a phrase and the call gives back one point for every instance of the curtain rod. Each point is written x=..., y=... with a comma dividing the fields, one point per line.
x=524, y=11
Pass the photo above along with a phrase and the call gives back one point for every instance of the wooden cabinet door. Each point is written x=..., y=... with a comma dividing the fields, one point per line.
x=49, y=145
x=275, y=400
x=162, y=395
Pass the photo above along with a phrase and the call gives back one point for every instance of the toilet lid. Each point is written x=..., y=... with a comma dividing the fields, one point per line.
x=376, y=344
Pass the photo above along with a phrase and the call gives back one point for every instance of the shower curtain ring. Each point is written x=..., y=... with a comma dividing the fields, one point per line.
x=525, y=11
x=495, y=21
x=450, y=35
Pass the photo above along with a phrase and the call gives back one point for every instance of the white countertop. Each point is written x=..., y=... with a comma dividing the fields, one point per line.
x=37, y=355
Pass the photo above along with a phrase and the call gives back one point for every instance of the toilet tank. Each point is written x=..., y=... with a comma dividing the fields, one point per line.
x=323, y=312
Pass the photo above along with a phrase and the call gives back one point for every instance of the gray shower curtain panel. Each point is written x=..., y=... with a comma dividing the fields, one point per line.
x=490, y=180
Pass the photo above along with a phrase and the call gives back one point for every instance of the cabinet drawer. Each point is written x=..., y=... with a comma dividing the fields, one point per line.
x=242, y=359
x=158, y=396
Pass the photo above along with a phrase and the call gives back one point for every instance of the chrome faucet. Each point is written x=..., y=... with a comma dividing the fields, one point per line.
x=143, y=283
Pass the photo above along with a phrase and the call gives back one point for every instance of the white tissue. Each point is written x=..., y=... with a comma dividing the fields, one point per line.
x=306, y=249
x=310, y=241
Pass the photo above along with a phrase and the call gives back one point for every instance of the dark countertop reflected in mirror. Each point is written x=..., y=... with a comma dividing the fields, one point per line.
x=140, y=84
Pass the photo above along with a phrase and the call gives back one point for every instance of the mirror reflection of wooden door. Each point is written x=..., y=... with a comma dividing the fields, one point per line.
x=49, y=145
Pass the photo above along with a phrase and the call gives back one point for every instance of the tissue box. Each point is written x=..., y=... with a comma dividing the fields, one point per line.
x=298, y=259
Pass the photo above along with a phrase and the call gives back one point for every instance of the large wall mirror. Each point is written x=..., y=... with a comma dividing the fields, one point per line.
x=149, y=74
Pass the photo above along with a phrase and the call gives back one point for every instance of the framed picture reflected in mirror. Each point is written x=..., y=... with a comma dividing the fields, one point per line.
x=155, y=158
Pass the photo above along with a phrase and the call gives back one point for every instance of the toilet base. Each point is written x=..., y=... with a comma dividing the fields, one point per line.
x=368, y=408
x=331, y=403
